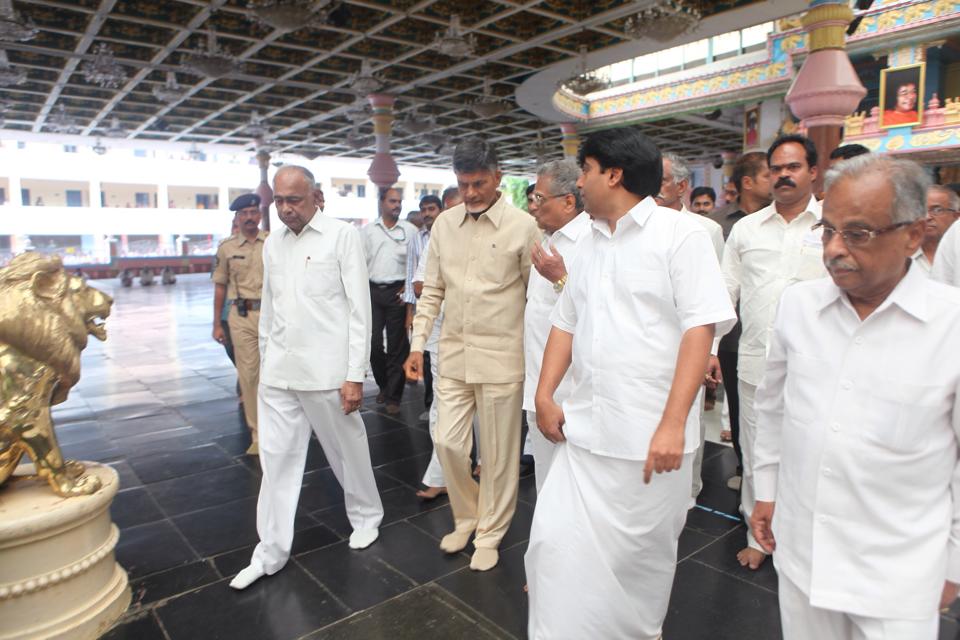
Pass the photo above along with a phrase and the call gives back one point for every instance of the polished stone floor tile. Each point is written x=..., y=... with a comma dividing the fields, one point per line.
x=722, y=556
x=152, y=547
x=142, y=626
x=134, y=506
x=204, y=489
x=415, y=554
x=358, y=578
x=172, y=582
x=175, y=464
x=398, y=444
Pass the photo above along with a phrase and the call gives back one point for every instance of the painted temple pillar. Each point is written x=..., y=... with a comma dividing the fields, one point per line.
x=827, y=88
x=383, y=170
x=263, y=189
x=570, y=140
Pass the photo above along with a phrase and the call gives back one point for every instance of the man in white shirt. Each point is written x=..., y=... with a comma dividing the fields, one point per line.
x=559, y=213
x=673, y=192
x=943, y=208
x=636, y=320
x=856, y=458
x=765, y=252
x=314, y=349
x=385, y=242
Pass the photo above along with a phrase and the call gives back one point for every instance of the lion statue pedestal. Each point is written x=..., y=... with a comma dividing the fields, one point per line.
x=58, y=576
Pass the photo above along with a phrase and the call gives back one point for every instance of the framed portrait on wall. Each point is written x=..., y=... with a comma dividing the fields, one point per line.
x=901, y=95
x=751, y=127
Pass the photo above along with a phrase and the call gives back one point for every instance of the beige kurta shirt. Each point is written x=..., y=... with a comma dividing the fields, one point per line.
x=479, y=269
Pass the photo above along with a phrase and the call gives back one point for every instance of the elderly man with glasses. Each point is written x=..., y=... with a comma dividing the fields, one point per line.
x=943, y=208
x=856, y=456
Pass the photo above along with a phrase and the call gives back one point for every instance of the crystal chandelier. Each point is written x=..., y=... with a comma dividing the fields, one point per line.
x=103, y=69
x=116, y=129
x=98, y=148
x=255, y=128
x=585, y=81
x=171, y=91
x=212, y=61
x=60, y=122
x=356, y=141
x=9, y=74
x=363, y=82
x=489, y=105
x=14, y=27
x=415, y=125
x=453, y=43
x=664, y=21
x=290, y=15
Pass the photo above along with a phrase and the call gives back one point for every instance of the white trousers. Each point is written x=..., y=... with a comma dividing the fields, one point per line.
x=541, y=449
x=748, y=439
x=286, y=419
x=801, y=621
x=697, y=484
x=603, y=547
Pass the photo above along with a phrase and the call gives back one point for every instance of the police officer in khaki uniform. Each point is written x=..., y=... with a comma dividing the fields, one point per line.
x=238, y=276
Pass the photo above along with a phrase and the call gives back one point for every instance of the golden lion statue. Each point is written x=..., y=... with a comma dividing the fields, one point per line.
x=45, y=316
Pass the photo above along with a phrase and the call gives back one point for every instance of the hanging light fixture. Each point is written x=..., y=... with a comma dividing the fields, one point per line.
x=356, y=141
x=171, y=91
x=10, y=75
x=60, y=122
x=664, y=21
x=290, y=15
x=363, y=82
x=310, y=153
x=585, y=81
x=255, y=128
x=98, y=148
x=414, y=125
x=359, y=111
x=452, y=42
x=116, y=129
x=13, y=26
x=194, y=152
x=212, y=60
x=489, y=105
x=103, y=69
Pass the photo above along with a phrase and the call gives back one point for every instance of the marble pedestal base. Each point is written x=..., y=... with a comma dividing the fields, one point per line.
x=58, y=575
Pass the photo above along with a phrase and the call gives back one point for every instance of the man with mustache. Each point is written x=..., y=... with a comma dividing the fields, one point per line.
x=385, y=242
x=765, y=252
x=856, y=457
x=943, y=208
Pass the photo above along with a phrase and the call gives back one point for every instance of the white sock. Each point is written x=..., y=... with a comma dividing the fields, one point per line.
x=246, y=577
x=363, y=538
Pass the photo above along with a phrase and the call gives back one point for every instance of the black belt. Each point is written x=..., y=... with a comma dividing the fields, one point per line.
x=387, y=285
x=252, y=305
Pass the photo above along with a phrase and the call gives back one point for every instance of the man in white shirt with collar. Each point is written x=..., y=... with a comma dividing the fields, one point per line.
x=674, y=187
x=943, y=209
x=636, y=320
x=765, y=252
x=385, y=242
x=856, y=458
x=559, y=213
x=314, y=349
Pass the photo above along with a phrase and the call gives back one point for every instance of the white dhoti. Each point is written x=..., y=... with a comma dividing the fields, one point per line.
x=696, y=486
x=541, y=449
x=603, y=547
x=433, y=477
x=748, y=439
x=286, y=419
x=802, y=621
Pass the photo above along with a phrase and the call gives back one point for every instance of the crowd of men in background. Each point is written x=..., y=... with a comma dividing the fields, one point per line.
x=602, y=318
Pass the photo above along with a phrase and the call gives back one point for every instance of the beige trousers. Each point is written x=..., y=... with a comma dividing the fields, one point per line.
x=486, y=508
x=246, y=351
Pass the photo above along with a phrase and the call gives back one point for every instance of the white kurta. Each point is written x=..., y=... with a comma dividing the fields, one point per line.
x=920, y=259
x=602, y=550
x=946, y=263
x=711, y=227
x=858, y=446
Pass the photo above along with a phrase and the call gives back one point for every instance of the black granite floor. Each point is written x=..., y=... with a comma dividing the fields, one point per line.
x=157, y=403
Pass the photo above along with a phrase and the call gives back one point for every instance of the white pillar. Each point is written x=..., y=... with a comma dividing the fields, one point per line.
x=224, y=198
x=94, y=187
x=15, y=198
x=163, y=196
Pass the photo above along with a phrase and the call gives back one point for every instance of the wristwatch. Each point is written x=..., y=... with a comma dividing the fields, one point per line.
x=558, y=285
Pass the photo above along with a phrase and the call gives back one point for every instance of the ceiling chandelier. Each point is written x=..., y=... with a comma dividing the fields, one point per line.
x=98, y=148
x=170, y=91
x=256, y=129
x=290, y=15
x=363, y=82
x=415, y=125
x=103, y=69
x=585, y=81
x=116, y=129
x=9, y=74
x=212, y=61
x=359, y=111
x=14, y=27
x=489, y=105
x=664, y=21
x=453, y=43
x=60, y=122
x=356, y=141
x=194, y=152
x=310, y=153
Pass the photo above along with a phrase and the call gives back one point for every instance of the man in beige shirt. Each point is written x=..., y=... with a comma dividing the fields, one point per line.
x=479, y=265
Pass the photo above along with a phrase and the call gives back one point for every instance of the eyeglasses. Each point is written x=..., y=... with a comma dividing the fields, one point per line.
x=939, y=211
x=539, y=198
x=855, y=237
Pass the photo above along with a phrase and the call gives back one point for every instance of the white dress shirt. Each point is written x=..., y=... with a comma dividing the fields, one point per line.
x=920, y=259
x=765, y=253
x=948, y=257
x=629, y=298
x=541, y=299
x=857, y=443
x=386, y=250
x=711, y=227
x=414, y=255
x=433, y=342
x=315, y=307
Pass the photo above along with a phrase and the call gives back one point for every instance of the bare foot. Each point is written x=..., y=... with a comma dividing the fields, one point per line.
x=751, y=558
x=526, y=588
x=431, y=493
x=476, y=471
x=726, y=435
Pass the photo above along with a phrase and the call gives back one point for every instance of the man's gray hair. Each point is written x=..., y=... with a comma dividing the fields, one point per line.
x=563, y=175
x=306, y=173
x=475, y=154
x=910, y=182
x=678, y=168
x=952, y=198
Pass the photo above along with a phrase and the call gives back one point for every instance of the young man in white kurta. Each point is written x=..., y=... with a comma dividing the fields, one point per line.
x=314, y=350
x=859, y=416
x=635, y=319
x=765, y=252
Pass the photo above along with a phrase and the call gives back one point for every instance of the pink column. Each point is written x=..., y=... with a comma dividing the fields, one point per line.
x=383, y=170
x=570, y=141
